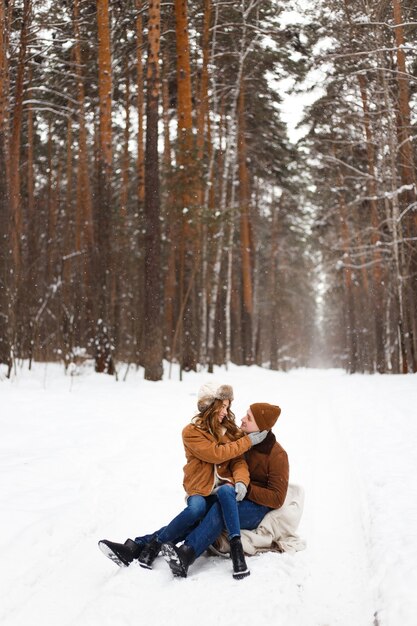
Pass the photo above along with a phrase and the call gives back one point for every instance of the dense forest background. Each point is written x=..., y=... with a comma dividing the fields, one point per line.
x=153, y=207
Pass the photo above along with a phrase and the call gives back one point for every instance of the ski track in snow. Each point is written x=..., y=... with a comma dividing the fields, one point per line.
x=89, y=458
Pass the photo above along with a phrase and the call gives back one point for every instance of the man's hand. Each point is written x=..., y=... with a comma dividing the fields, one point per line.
x=258, y=436
x=241, y=490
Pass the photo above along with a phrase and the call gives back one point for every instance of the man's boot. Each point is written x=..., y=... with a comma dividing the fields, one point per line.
x=149, y=553
x=121, y=553
x=178, y=559
x=240, y=569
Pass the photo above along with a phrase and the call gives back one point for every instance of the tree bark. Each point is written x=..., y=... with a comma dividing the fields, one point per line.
x=15, y=143
x=103, y=342
x=82, y=312
x=348, y=281
x=5, y=261
x=407, y=170
x=245, y=238
x=186, y=183
x=205, y=185
x=377, y=271
x=153, y=349
x=171, y=222
x=408, y=174
x=84, y=199
x=140, y=163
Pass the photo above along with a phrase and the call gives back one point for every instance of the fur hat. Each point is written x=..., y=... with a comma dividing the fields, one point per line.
x=211, y=391
x=265, y=414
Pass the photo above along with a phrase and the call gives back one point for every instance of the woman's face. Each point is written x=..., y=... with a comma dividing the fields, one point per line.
x=223, y=410
x=248, y=423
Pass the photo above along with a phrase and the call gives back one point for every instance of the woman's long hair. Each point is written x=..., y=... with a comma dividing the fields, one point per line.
x=208, y=420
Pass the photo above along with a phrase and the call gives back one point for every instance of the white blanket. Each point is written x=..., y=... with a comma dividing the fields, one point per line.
x=276, y=532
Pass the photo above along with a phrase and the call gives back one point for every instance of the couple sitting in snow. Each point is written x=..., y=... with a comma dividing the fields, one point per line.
x=233, y=478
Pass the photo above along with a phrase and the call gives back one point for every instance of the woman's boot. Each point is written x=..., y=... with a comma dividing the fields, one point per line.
x=178, y=559
x=240, y=569
x=149, y=553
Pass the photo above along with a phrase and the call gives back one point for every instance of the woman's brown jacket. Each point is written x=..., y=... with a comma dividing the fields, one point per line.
x=209, y=460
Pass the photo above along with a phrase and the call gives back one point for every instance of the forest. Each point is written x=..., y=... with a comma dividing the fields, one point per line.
x=153, y=206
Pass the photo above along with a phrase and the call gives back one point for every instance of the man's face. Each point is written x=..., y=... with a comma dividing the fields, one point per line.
x=248, y=423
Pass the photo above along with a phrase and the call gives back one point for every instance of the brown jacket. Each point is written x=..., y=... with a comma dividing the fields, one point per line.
x=269, y=471
x=207, y=459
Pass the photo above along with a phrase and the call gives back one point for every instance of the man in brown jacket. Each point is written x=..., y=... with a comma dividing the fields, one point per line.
x=269, y=471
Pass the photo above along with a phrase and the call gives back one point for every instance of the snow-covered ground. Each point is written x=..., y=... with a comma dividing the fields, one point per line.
x=85, y=458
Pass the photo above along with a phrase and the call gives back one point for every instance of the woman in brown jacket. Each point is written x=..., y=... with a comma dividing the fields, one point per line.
x=215, y=471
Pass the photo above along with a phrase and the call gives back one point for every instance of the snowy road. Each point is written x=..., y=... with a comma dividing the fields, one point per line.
x=88, y=458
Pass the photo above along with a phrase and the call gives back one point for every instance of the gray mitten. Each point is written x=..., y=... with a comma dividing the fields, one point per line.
x=241, y=490
x=258, y=436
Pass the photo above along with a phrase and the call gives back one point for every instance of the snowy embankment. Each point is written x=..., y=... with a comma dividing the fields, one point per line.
x=85, y=458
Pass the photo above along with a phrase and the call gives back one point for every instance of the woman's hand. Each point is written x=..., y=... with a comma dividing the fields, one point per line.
x=241, y=490
x=258, y=436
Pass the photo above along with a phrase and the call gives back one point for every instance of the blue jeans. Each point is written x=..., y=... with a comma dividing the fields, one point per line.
x=227, y=499
x=182, y=524
x=250, y=515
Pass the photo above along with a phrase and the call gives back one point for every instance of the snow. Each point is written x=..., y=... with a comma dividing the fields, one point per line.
x=84, y=457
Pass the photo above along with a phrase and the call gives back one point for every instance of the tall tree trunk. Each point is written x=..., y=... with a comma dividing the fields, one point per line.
x=205, y=188
x=124, y=192
x=397, y=234
x=30, y=273
x=348, y=280
x=245, y=239
x=140, y=164
x=165, y=114
x=407, y=170
x=187, y=184
x=273, y=288
x=5, y=261
x=120, y=278
x=50, y=208
x=15, y=143
x=171, y=223
x=84, y=199
x=17, y=291
x=351, y=329
x=19, y=303
x=103, y=342
x=70, y=287
x=225, y=164
x=229, y=272
x=377, y=269
x=83, y=314
x=152, y=332
x=140, y=175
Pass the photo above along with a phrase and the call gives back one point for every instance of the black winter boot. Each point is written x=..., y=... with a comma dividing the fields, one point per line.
x=121, y=553
x=178, y=559
x=240, y=569
x=149, y=553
